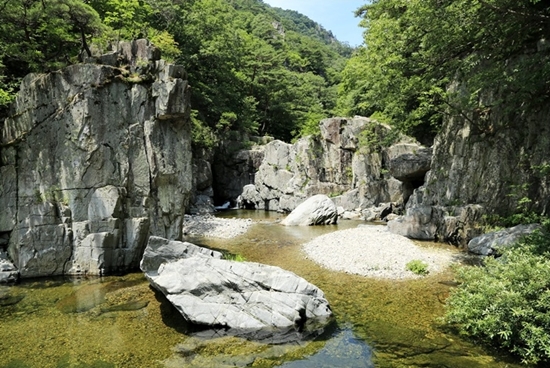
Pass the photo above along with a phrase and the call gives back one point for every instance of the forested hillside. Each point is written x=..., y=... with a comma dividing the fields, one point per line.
x=425, y=59
x=252, y=68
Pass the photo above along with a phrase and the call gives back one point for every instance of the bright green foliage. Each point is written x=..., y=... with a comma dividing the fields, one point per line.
x=506, y=303
x=234, y=257
x=416, y=49
x=418, y=267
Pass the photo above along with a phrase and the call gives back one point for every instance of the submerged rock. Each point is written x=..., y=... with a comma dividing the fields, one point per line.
x=242, y=298
x=316, y=210
x=7, y=298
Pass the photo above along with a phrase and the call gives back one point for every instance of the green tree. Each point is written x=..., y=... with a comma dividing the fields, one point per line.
x=38, y=36
x=415, y=50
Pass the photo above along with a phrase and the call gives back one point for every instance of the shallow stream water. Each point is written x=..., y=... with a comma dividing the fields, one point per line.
x=120, y=321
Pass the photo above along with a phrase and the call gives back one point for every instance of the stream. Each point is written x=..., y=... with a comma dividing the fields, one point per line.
x=119, y=321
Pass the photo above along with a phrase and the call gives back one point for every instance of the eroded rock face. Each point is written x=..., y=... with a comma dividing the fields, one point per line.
x=242, y=298
x=93, y=159
x=316, y=210
x=494, y=165
x=336, y=165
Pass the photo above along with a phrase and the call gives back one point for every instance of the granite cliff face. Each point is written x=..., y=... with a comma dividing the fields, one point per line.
x=334, y=164
x=491, y=165
x=93, y=159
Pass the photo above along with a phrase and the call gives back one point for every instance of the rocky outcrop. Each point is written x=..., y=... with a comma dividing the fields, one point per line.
x=316, y=210
x=8, y=272
x=202, y=200
x=490, y=243
x=355, y=174
x=240, y=298
x=482, y=165
x=234, y=166
x=93, y=159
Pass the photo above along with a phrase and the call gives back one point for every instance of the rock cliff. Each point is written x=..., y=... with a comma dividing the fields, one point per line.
x=356, y=176
x=482, y=165
x=93, y=159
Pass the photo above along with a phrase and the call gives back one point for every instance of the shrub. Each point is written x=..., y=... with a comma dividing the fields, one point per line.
x=506, y=303
x=234, y=257
x=418, y=267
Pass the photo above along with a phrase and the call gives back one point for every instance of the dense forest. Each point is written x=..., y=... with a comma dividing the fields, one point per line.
x=253, y=68
x=264, y=70
x=427, y=59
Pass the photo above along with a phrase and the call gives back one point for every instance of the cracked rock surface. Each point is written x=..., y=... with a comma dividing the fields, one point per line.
x=93, y=159
x=244, y=298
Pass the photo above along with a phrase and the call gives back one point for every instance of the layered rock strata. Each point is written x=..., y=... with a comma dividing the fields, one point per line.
x=93, y=159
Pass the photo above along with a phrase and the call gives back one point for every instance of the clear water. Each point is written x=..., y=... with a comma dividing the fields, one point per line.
x=122, y=322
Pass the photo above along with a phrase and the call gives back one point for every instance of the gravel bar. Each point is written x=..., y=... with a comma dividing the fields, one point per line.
x=371, y=250
x=215, y=227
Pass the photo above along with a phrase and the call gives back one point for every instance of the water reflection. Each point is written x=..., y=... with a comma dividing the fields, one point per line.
x=344, y=349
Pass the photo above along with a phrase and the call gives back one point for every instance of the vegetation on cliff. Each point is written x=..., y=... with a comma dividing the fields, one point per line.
x=415, y=50
x=252, y=68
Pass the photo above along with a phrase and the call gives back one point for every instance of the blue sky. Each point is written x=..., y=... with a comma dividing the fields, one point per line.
x=334, y=15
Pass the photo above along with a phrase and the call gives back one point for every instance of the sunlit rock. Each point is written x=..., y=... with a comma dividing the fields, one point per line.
x=250, y=299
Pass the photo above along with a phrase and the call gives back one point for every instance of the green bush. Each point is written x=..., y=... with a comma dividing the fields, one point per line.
x=234, y=257
x=418, y=267
x=506, y=303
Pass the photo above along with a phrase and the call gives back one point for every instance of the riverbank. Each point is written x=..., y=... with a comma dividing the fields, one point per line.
x=372, y=251
x=368, y=250
x=215, y=227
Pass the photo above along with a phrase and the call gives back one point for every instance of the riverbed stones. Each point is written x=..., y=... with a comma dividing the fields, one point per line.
x=248, y=298
x=316, y=210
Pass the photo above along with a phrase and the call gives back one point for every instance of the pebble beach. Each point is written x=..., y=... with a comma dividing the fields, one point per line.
x=368, y=250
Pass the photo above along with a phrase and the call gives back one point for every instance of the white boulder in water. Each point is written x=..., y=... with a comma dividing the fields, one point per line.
x=316, y=210
x=251, y=299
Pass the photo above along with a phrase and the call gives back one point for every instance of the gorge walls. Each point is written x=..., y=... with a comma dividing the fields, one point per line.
x=93, y=159
x=357, y=176
x=482, y=166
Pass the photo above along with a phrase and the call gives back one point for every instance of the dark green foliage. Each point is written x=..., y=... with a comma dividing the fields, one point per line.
x=38, y=36
x=425, y=59
x=506, y=303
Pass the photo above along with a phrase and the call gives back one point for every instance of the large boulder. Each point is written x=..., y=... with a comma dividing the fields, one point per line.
x=93, y=159
x=454, y=225
x=490, y=243
x=317, y=210
x=244, y=298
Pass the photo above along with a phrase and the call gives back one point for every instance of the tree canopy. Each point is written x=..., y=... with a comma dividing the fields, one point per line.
x=252, y=68
x=423, y=59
